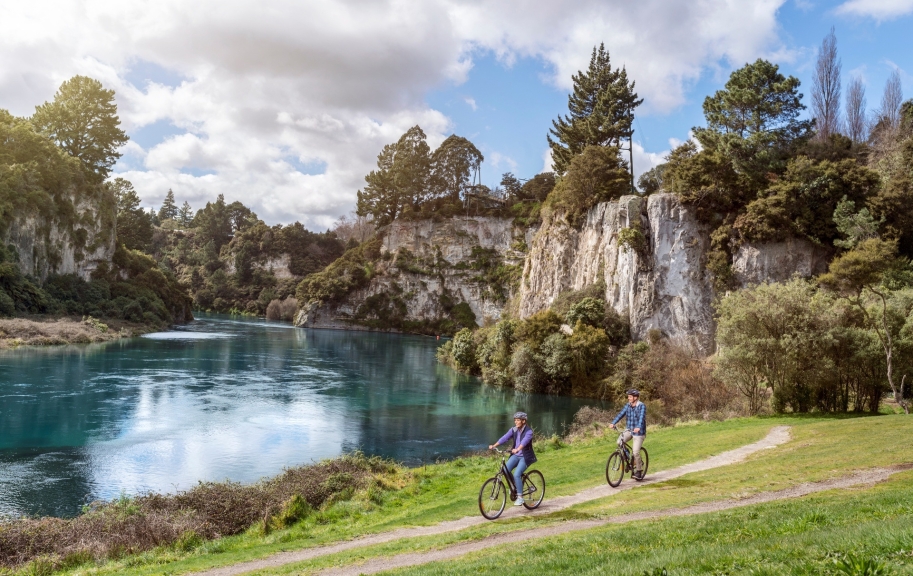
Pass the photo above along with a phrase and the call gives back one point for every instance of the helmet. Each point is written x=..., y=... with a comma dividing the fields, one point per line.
x=633, y=392
x=520, y=415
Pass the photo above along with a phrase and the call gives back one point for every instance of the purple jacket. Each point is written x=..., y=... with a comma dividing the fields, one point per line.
x=526, y=439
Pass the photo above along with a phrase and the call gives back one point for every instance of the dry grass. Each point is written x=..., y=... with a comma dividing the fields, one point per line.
x=282, y=309
x=209, y=510
x=38, y=331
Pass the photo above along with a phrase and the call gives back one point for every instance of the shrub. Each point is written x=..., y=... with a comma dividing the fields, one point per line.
x=282, y=309
x=463, y=351
x=590, y=311
x=598, y=174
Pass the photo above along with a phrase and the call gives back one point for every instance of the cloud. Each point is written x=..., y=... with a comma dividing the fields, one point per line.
x=471, y=102
x=254, y=93
x=879, y=10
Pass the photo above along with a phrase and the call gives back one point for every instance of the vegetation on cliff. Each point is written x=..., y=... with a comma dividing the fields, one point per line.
x=52, y=168
x=231, y=261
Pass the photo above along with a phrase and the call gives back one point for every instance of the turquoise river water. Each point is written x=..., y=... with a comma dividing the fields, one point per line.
x=227, y=398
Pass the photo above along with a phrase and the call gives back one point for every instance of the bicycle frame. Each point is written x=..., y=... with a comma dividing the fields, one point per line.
x=508, y=475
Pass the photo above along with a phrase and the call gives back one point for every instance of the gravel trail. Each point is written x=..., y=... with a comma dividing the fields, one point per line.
x=866, y=478
x=777, y=436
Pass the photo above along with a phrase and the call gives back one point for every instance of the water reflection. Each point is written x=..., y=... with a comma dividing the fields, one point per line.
x=163, y=412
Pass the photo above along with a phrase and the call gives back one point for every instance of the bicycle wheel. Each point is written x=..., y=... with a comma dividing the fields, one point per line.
x=492, y=498
x=533, y=489
x=645, y=458
x=615, y=469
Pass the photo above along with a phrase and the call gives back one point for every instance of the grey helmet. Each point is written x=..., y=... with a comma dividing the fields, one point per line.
x=521, y=415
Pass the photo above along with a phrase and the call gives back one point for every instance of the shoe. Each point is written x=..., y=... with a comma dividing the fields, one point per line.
x=519, y=502
x=639, y=474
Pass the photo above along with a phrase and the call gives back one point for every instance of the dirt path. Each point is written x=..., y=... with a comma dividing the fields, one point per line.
x=867, y=478
x=778, y=435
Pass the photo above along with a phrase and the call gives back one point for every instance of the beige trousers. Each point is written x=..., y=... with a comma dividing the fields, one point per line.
x=637, y=444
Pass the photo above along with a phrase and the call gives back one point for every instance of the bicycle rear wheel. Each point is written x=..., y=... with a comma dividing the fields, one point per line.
x=533, y=489
x=615, y=469
x=492, y=498
x=645, y=458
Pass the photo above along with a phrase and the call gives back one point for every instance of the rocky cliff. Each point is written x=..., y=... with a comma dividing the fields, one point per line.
x=76, y=239
x=428, y=269
x=651, y=253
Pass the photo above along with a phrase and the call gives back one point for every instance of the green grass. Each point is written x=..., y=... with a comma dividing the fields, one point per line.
x=821, y=448
x=804, y=536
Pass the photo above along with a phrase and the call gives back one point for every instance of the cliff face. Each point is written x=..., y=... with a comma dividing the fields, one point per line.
x=427, y=268
x=658, y=280
x=75, y=241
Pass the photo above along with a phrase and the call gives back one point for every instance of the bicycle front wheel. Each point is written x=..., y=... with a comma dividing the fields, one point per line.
x=645, y=458
x=615, y=469
x=533, y=489
x=492, y=498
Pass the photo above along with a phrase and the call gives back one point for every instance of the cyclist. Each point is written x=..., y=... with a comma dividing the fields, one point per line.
x=522, y=452
x=635, y=415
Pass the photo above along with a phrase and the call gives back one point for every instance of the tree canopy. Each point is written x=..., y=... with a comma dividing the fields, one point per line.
x=134, y=225
x=601, y=110
x=82, y=119
x=755, y=119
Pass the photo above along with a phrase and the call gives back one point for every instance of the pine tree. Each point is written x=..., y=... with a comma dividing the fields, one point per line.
x=601, y=111
x=169, y=209
x=185, y=215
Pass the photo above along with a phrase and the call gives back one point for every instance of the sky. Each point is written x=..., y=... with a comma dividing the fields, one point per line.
x=285, y=104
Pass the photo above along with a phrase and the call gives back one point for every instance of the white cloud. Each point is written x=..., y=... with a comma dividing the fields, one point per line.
x=879, y=10
x=269, y=87
x=548, y=164
x=500, y=162
x=471, y=102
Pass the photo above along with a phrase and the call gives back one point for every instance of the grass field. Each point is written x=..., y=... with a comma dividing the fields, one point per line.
x=805, y=536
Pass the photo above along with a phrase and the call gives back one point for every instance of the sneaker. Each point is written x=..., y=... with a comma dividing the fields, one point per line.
x=639, y=474
x=519, y=502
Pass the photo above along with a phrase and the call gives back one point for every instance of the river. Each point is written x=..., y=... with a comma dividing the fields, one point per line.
x=230, y=398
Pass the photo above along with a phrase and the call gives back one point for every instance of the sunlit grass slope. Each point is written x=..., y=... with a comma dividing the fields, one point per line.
x=820, y=448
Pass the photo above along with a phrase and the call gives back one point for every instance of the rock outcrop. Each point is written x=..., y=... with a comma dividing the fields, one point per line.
x=657, y=279
x=427, y=268
x=779, y=261
x=75, y=245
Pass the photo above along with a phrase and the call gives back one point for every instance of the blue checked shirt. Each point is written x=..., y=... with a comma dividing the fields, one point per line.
x=635, y=417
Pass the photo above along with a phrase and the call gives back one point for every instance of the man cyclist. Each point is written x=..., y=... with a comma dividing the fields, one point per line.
x=635, y=415
x=522, y=451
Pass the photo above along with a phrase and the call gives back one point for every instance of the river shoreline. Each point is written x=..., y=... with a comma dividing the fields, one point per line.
x=56, y=331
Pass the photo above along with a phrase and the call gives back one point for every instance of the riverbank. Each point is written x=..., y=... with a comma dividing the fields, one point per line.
x=758, y=534
x=52, y=331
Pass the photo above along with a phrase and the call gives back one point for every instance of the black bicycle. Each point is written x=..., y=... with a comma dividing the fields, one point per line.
x=621, y=461
x=493, y=495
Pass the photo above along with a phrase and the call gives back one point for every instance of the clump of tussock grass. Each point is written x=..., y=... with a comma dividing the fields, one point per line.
x=185, y=520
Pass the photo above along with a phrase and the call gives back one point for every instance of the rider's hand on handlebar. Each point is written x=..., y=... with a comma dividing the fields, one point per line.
x=612, y=426
x=491, y=446
x=515, y=451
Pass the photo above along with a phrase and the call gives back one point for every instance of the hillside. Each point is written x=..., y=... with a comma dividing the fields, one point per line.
x=715, y=501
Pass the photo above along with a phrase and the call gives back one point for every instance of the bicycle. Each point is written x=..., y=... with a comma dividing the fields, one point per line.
x=493, y=495
x=621, y=461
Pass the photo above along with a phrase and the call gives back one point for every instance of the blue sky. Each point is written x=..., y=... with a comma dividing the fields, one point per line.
x=284, y=104
x=507, y=109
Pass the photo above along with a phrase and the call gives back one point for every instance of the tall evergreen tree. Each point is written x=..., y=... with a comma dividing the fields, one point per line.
x=412, y=168
x=402, y=179
x=169, y=209
x=754, y=120
x=83, y=120
x=380, y=199
x=185, y=215
x=601, y=111
x=134, y=225
x=452, y=165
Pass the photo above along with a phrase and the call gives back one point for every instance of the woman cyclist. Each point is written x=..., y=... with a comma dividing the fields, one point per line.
x=522, y=451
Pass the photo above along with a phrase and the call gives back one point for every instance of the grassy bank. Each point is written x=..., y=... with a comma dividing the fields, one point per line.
x=48, y=331
x=820, y=448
